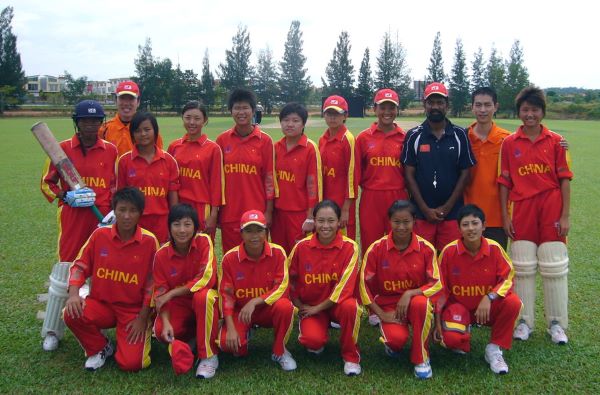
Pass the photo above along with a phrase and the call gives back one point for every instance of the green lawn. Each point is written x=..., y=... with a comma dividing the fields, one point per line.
x=28, y=240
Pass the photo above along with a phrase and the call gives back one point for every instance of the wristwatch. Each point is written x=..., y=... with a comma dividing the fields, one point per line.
x=492, y=296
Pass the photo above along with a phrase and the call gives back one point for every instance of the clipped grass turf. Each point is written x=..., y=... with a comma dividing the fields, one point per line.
x=28, y=240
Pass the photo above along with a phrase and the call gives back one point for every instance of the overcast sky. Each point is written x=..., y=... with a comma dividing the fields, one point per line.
x=100, y=39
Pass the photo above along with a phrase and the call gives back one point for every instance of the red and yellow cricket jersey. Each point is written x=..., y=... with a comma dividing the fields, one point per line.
x=531, y=167
x=387, y=272
x=200, y=170
x=340, y=166
x=483, y=188
x=249, y=164
x=117, y=132
x=466, y=279
x=242, y=278
x=196, y=270
x=96, y=168
x=379, y=157
x=299, y=175
x=319, y=272
x=121, y=271
x=155, y=179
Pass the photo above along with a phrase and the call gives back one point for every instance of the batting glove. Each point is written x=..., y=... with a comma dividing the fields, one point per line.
x=83, y=197
x=109, y=219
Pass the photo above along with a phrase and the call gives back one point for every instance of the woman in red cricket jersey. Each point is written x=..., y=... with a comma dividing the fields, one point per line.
x=340, y=167
x=298, y=169
x=323, y=272
x=399, y=275
x=185, y=273
x=200, y=163
x=153, y=171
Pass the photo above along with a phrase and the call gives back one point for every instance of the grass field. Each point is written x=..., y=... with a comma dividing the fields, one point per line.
x=28, y=240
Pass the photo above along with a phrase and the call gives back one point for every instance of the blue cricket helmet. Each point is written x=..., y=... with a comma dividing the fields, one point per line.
x=88, y=109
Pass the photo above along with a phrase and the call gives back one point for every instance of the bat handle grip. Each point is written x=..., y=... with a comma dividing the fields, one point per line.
x=97, y=213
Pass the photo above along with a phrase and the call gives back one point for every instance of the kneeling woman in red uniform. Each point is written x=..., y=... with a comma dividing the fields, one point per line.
x=323, y=274
x=477, y=276
x=153, y=171
x=118, y=259
x=399, y=275
x=253, y=289
x=185, y=273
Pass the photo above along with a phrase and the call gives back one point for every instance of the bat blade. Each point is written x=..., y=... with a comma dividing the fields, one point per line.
x=57, y=156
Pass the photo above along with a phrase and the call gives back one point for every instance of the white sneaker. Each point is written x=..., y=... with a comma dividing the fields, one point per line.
x=316, y=352
x=558, y=334
x=207, y=367
x=286, y=361
x=423, y=371
x=458, y=351
x=50, y=342
x=351, y=369
x=493, y=356
x=374, y=320
x=522, y=331
x=334, y=325
x=97, y=361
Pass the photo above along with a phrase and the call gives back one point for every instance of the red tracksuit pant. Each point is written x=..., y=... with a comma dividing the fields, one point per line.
x=75, y=225
x=314, y=329
x=503, y=315
x=420, y=318
x=99, y=315
x=287, y=228
x=372, y=213
x=197, y=316
x=230, y=235
x=439, y=234
x=279, y=316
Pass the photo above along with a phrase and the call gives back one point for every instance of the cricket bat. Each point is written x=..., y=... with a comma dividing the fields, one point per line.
x=57, y=156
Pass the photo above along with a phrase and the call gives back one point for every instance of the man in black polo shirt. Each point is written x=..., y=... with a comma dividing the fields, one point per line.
x=437, y=156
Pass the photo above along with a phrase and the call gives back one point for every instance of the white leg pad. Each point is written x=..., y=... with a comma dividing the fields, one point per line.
x=57, y=296
x=524, y=259
x=554, y=266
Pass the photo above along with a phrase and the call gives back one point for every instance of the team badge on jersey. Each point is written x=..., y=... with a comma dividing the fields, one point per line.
x=517, y=153
x=131, y=173
x=173, y=272
x=385, y=264
x=104, y=252
x=424, y=148
x=239, y=276
x=308, y=267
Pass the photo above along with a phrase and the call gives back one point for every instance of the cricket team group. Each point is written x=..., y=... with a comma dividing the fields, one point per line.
x=438, y=206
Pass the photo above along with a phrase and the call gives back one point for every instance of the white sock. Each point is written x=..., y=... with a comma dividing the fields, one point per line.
x=492, y=348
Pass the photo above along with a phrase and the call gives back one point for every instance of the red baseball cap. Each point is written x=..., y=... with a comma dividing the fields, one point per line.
x=456, y=318
x=182, y=357
x=253, y=217
x=128, y=88
x=386, y=94
x=336, y=103
x=435, y=88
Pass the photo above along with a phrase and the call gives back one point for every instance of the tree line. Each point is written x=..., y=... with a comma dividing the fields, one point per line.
x=165, y=85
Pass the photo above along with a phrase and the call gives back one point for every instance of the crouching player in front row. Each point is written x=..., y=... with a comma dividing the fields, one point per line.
x=399, y=275
x=253, y=289
x=118, y=258
x=477, y=276
x=323, y=274
x=185, y=273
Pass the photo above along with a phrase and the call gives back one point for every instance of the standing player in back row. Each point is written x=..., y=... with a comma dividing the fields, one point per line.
x=534, y=179
x=249, y=164
x=486, y=138
x=437, y=157
x=381, y=176
x=116, y=130
x=340, y=166
x=94, y=159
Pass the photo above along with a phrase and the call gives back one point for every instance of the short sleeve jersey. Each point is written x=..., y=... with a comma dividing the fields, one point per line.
x=155, y=179
x=120, y=271
x=96, y=168
x=340, y=166
x=299, y=175
x=528, y=167
x=319, y=272
x=249, y=165
x=438, y=163
x=387, y=272
x=200, y=170
x=378, y=153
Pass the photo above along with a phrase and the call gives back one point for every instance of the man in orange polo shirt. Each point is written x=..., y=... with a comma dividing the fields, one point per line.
x=486, y=139
x=116, y=130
